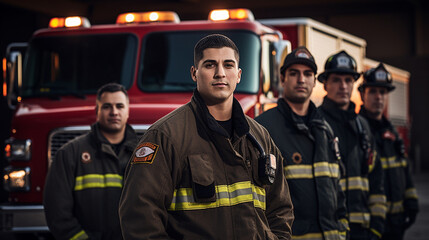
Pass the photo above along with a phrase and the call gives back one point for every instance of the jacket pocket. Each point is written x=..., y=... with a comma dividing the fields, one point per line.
x=202, y=175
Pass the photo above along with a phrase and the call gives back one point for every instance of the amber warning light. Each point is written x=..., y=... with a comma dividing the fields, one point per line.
x=231, y=14
x=148, y=17
x=69, y=22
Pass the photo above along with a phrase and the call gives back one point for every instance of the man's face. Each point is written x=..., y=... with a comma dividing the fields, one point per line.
x=298, y=82
x=217, y=75
x=112, y=112
x=374, y=100
x=339, y=88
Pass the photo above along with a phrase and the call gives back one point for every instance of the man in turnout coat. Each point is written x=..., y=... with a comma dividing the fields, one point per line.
x=402, y=201
x=310, y=152
x=363, y=178
x=206, y=170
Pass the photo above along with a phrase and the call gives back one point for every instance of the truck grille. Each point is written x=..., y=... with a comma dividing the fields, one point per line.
x=61, y=136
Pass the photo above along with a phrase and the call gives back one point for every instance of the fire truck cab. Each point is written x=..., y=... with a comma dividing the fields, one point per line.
x=149, y=53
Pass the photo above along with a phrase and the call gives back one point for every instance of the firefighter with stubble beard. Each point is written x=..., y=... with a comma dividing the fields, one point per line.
x=310, y=152
x=402, y=201
x=84, y=182
x=363, y=179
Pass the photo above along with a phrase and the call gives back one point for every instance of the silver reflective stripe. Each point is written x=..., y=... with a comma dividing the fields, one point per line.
x=359, y=217
x=226, y=195
x=392, y=162
x=355, y=183
x=320, y=169
x=395, y=207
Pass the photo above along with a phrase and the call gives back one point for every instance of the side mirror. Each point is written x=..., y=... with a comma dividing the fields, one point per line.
x=15, y=54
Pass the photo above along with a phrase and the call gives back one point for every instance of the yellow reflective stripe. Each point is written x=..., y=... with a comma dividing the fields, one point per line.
x=395, y=207
x=321, y=169
x=298, y=171
x=391, y=162
x=80, y=235
x=359, y=217
x=355, y=183
x=378, y=210
x=377, y=198
x=411, y=193
x=226, y=195
x=324, y=169
x=345, y=223
x=98, y=181
x=375, y=232
x=309, y=236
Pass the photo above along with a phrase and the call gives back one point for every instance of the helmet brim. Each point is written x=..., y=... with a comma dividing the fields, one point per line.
x=324, y=75
x=389, y=87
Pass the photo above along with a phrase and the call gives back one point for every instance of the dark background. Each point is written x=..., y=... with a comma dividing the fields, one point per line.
x=396, y=31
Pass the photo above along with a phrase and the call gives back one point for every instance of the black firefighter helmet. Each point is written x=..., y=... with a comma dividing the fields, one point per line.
x=377, y=77
x=341, y=63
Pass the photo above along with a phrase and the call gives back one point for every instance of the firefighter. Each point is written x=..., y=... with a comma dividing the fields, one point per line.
x=402, y=202
x=310, y=152
x=206, y=170
x=84, y=182
x=363, y=179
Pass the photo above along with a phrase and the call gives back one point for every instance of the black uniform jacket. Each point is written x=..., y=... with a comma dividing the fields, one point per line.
x=398, y=184
x=312, y=170
x=363, y=179
x=189, y=180
x=84, y=185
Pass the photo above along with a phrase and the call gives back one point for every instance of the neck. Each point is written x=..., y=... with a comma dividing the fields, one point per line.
x=300, y=109
x=375, y=116
x=221, y=112
x=345, y=107
x=114, y=138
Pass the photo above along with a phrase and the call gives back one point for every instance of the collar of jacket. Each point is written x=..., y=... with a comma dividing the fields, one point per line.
x=129, y=141
x=376, y=125
x=240, y=125
x=333, y=109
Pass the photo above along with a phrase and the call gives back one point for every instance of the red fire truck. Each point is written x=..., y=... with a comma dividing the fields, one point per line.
x=149, y=53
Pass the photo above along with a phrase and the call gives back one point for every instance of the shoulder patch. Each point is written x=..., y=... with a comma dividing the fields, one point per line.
x=145, y=153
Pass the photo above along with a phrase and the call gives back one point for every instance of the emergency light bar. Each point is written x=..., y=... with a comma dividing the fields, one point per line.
x=231, y=14
x=69, y=22
x=148, y=17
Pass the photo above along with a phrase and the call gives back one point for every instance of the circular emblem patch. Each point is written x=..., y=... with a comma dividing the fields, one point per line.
x=297, y=158
x=86, y=157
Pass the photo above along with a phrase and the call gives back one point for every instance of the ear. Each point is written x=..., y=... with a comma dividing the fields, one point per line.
x=193, y=73
x=314, y=85
x=239, y=75
x=324, y=84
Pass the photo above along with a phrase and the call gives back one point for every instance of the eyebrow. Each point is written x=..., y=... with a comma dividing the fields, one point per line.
x=214, y=61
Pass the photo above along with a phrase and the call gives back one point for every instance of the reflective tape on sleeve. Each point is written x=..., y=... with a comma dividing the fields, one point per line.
x=355, y=183
x=98, y=181
x=320, y=169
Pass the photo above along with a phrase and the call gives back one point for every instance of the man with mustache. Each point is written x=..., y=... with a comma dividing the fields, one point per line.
x=310, y=152
x=363, y=178
x=402, y=200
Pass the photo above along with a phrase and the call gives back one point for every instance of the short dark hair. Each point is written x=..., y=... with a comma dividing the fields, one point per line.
x=111, y=87
x=213, y=41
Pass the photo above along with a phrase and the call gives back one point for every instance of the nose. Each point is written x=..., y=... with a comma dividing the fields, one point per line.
x=220, y=72
x=343, y=84
x=114, y=111
x=301, y=78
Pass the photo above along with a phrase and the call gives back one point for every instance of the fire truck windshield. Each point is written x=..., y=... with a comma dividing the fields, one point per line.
x=168, y=56
x=78, y=65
